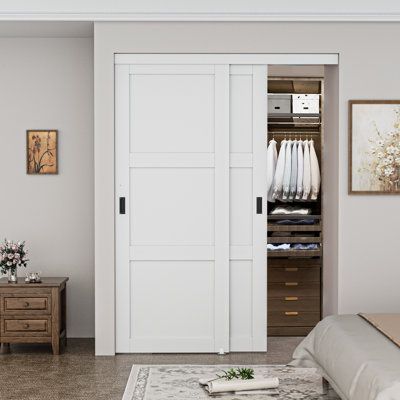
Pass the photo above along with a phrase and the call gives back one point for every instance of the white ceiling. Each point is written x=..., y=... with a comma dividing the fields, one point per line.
x=178, y=10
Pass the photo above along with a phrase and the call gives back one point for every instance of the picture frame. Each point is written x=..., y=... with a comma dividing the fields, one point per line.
x=374, y=147
x=42, y=151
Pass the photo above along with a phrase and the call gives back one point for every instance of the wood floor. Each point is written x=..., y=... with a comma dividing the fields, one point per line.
x=33, y=373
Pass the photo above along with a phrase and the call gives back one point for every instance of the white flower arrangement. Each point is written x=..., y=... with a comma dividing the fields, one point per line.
x=385, y=155
x=12, y=255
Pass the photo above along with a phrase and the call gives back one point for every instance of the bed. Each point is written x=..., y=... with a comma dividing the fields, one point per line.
x=357, y=355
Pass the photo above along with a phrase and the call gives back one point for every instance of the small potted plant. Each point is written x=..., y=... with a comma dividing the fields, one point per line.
x=12, y=256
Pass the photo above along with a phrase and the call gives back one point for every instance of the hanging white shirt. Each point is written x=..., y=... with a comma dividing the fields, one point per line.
x=300, y=167
x=315, y=172
x=306, y=172
x=288, y=171
x=293, y=174
x=272, y=156
x=279, y=171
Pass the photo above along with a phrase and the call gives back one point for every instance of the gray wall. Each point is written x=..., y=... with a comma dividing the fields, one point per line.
x=48, y=83
x=364, y=264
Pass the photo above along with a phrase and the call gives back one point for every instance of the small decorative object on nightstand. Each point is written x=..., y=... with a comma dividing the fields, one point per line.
x=33, y=313
x=12, y=256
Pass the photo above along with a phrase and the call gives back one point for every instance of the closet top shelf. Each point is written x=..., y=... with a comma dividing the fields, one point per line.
x=288, y=85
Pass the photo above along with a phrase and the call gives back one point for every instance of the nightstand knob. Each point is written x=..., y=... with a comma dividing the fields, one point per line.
x=26, y=326
x=26, y=304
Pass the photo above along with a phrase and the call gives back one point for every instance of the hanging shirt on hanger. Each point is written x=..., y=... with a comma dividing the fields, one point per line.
x=288, y=171
x=315, y=172
x=293, y=174
x=306, y=172
x=272, y=156
x=300, y=166
x=279, y=171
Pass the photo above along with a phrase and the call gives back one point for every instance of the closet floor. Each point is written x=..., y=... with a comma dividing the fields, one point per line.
x=32, y=372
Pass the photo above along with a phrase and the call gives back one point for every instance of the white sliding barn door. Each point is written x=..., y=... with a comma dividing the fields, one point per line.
x=173, y=242
x=190, y=247
x=248, y=231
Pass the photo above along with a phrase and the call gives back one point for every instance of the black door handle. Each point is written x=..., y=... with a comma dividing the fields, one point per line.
x=122, y=205
x=259, y=205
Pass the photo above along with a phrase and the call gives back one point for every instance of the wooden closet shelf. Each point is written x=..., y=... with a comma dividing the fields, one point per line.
x=293, y=253
x=294, y=228
x=293, y=115
x=294, y=239
x=294, y=123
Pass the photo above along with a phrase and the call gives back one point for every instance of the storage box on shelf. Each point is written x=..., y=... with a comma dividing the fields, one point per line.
x=305, y=103
x=280, y=104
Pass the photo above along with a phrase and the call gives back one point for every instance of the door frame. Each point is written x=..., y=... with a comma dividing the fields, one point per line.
x=236, y=59
x=105, y=288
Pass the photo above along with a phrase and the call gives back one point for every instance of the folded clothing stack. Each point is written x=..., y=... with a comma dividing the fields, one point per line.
x=295, y=222
x=250, y=386
x=290, y=211
x=293, y=246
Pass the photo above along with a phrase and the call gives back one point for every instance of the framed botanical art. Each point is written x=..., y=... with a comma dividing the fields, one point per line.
x=374, y=147
x=42, y=152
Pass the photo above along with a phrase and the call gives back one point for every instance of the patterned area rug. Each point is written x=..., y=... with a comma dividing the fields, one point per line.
x=180, y=382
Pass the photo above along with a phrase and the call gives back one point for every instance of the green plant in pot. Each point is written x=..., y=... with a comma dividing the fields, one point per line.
x=12, y=256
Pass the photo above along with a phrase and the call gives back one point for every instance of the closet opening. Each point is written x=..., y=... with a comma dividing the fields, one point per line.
x=295, y=207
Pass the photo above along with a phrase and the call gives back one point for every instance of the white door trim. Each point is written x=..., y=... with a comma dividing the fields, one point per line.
x=248, y=59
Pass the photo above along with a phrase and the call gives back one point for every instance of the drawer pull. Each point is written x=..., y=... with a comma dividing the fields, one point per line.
x=291, y=269
x=291, y=283
x=26, y=326
x=291, y=313
x=26, y=304
x=291, y=298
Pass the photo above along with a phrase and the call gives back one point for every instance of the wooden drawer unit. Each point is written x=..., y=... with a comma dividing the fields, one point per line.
x=294, y=295
x=293, y=318
x=294, y=274
x=294, y=303
x=31, y=304
x=16, y=326
x=33, y=313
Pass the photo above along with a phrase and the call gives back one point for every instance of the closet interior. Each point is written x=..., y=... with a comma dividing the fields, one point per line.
x=294, y=238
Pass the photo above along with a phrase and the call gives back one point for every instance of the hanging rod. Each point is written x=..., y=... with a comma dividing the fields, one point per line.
x=293, y=133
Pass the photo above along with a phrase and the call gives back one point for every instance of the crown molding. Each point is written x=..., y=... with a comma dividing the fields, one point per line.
x=203, y=17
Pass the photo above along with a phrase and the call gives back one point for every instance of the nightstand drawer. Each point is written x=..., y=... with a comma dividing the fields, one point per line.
x=15, y=304
x=19, y=326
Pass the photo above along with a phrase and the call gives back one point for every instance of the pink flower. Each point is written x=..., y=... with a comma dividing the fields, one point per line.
x=11, y=256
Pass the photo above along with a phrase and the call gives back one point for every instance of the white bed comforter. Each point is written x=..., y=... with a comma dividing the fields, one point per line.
x=359, y=362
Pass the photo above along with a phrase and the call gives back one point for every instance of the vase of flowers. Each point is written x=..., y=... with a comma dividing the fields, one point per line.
x=12, y=256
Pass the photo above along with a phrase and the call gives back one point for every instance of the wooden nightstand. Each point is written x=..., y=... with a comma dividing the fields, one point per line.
x=33, y=312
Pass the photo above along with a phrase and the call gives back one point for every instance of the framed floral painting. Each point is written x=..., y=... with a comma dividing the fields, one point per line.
x=41, y=152
x=374, y=147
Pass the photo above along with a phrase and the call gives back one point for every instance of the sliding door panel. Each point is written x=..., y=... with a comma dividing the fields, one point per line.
x=173, y=281
x=248, y=116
